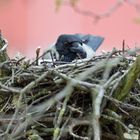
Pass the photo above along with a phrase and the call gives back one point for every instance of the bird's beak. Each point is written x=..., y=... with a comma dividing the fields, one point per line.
x=77, y=48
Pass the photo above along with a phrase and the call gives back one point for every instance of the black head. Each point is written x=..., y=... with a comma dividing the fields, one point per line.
x=69, y=47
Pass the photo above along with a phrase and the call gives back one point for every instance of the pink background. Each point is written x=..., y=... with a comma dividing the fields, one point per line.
x=28, y=24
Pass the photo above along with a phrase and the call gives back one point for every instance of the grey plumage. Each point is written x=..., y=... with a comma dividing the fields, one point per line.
x=93, y=41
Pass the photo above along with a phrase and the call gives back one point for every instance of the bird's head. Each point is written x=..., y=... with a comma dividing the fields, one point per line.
x=69, y=47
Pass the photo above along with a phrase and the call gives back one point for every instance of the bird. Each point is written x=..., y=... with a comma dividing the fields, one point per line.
x=69, y=47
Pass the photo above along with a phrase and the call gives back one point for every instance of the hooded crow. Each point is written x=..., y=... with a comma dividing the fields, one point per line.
x=69, y=47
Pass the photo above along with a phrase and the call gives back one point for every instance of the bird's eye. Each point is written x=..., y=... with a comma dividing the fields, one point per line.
x=65, y=43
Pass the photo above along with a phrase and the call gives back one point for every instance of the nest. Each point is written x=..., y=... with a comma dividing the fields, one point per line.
x=97, y=98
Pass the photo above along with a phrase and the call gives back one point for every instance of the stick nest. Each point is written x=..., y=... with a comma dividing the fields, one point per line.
x=97, y=98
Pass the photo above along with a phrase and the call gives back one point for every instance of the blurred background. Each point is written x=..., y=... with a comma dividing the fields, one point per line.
x=27, y=24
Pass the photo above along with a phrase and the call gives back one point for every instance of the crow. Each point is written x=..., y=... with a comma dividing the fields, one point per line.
x=69, y=47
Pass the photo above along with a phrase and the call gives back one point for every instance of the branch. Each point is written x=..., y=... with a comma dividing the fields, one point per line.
x=127, y=81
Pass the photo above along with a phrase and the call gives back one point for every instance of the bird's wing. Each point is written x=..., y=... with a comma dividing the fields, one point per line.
x=93, y=41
